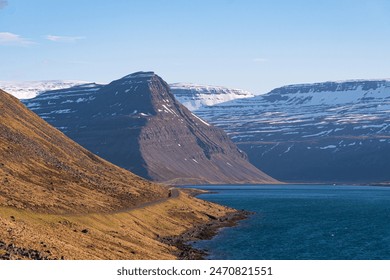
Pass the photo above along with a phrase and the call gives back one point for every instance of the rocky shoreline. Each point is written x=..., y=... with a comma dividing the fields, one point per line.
x=202, y=232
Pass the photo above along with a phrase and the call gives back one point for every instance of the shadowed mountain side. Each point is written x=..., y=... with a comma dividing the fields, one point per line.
x=43, y=170
x=193, y=150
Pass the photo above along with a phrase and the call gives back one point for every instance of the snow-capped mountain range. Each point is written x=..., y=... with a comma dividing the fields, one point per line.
x=332, y=131
x=30, y=89
x=321, y=132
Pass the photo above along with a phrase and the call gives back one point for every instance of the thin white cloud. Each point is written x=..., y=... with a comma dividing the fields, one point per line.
x=3, y=3
x=259, y=60
x=64, y=39
x=11, y=39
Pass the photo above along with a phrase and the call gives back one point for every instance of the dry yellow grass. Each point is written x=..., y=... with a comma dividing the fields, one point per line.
x=127, y=235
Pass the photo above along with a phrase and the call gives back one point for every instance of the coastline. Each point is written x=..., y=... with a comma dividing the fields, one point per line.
x=203, y=231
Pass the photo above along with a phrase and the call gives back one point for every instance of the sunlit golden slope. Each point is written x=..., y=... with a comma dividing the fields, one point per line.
x=43, y=170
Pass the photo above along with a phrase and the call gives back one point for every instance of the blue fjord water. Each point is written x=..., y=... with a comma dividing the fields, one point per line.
x=303, y=222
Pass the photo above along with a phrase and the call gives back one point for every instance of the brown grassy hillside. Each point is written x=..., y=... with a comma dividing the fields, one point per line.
x=43, y=170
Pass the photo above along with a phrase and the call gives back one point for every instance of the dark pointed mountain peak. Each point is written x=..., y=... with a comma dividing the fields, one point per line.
x=136, y=123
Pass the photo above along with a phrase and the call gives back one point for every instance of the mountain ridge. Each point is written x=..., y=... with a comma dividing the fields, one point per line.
x=324, y=132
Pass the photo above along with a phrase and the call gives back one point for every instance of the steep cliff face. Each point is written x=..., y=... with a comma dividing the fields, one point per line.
x=193, y=150
x=43, y=170
x=136, y=123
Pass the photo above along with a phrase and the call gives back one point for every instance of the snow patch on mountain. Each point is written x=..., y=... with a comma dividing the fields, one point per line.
x=330, y=93
x=30, y=89
x=195, y=96
x=147, y=74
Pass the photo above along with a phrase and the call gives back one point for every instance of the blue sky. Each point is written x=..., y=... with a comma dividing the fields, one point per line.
x=255, y=45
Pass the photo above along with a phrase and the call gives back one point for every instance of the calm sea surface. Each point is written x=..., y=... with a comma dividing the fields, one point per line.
x=303, y=222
